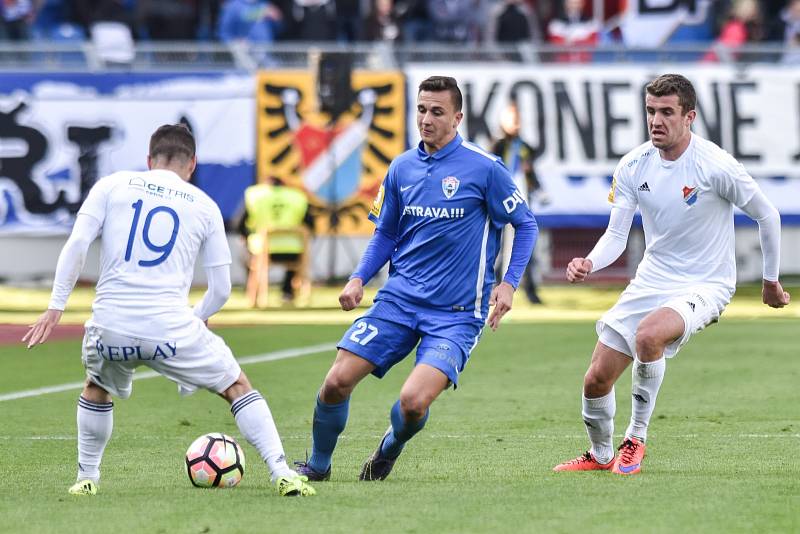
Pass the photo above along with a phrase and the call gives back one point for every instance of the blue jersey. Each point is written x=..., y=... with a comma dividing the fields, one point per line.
x=446, y=211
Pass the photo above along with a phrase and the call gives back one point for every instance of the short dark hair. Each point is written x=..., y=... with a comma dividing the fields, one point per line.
x=443, y=83
x=172, y=141
x=674, y=84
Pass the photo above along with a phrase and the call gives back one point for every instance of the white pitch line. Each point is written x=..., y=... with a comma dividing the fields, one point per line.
x=258, y=358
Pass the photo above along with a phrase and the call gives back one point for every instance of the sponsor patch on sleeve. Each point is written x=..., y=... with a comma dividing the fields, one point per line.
x=377, y=204
x=613, y=190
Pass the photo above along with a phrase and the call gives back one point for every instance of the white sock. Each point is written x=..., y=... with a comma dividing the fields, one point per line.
x=647, y=378
x=598, y=416
x=257, y=426
x=95, y=421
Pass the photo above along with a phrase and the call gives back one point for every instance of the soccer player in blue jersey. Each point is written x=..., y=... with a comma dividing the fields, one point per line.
x=439, y=215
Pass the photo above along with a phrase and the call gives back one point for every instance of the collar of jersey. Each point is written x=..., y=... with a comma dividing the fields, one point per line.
x=667, y=163
x=444, y=151
x=167, y=172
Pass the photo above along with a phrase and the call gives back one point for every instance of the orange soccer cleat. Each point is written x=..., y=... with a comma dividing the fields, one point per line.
x=584, y=462
x=629, y=460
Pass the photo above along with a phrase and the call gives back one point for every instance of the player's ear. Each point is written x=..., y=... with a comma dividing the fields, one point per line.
x=691, y=116
x=192, y=164
x=458, y=116
x=149, y=162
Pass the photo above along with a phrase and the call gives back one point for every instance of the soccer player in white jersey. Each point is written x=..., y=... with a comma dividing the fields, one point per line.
x=685, y=188
x=153, y=226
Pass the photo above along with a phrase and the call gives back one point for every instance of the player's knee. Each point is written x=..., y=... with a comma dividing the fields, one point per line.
x=649, y=346
x=94, y=393
x=414, y=406
x=237, y=389
x=336, y=388
x=596, y=384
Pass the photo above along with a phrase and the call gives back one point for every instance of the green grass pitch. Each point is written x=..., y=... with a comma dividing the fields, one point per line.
x=723, y=452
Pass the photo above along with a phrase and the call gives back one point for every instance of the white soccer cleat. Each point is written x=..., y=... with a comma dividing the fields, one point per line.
x=83, y=487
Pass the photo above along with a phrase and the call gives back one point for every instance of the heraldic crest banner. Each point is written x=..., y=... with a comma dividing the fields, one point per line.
x=338, y=154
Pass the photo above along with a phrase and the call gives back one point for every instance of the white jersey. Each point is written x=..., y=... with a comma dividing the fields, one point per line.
x=687, y=212
x=154, y=226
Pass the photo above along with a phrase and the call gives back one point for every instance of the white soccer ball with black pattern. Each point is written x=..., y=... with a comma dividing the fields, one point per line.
x=215, y=461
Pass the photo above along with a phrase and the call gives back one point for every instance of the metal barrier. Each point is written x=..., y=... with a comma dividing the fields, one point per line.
x=84, y=56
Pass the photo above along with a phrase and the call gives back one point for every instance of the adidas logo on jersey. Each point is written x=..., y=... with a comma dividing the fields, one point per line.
x=644, y=187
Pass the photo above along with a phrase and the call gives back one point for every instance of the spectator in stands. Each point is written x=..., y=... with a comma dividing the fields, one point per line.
x=16, y=19
x=280, y=215
x=349, y=20
x=456, y=21
x=169, y=20
x=414, y=19
x=50, y=15
x=743, y=24
x=89, y=12
x=208, y=12
x=256, y=21
x=573, y=27
x=513, y=21
x=782, y=27
x=790, y=31
x=381, y=24
x=519, y=158
x=314, y=20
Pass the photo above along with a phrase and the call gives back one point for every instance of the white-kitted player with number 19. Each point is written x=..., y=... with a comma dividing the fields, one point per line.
x=153, y=225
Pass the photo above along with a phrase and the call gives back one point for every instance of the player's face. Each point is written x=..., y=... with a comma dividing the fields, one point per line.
x=669, y=127
x=437, y=119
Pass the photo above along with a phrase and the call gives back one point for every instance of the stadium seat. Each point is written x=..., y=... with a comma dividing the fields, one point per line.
x=113, y=43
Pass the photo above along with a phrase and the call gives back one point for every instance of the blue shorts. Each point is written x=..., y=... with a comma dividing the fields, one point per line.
x=389, y=331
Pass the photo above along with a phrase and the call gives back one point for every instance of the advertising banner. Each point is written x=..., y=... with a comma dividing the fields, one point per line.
x=60, y=133
x=581, y=120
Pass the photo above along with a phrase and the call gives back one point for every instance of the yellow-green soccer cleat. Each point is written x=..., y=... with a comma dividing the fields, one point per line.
x=83, y=487
x=296, y=486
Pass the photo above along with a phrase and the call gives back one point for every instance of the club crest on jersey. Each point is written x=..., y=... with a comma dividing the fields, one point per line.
x=450, y=186
x=689, y=195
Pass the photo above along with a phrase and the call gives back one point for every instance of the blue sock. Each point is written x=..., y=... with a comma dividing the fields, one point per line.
x=402, y=431
x=329, y=422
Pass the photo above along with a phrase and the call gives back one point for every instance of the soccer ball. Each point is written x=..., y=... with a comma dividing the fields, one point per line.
x=215, y=461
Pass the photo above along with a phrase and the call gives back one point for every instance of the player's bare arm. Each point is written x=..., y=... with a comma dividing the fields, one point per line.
x=578, y=269
x=773, y=295
x=351, y=295
x=501, y=298
x=42, y=328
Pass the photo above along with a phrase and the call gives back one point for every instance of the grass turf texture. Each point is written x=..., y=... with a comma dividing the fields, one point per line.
x=722, y=456
x=561, y=302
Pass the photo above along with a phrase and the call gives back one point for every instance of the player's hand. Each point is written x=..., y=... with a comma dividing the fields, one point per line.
x=578, y=269
x=351, y=295
x=41, y=329
x=773, y=295
x=501, y=298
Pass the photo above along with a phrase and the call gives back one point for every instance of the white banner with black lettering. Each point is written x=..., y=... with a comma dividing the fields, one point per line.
x=583, y=119
x=59, y=133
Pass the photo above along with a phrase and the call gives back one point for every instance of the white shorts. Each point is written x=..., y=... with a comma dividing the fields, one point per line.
x=698, y=306
x=202, y=360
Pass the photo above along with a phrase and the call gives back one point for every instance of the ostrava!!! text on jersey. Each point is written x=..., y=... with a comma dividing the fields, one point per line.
x=446, y=211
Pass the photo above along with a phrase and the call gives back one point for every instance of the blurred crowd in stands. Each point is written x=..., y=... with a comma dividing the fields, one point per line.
x=565, y=22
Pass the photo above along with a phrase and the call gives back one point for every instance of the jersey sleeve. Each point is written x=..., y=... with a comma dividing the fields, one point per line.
x=621, y=194
x=96, y=201
x=385, y=212
x=505, y=202
x=216, y=251
x=734, y=183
